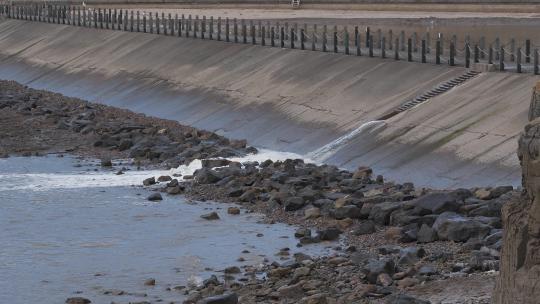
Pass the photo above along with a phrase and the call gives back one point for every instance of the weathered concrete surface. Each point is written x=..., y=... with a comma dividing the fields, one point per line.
x=286, y=99
x=520, y=256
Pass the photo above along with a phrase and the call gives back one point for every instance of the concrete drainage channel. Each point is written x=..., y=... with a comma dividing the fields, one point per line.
x=443, y=88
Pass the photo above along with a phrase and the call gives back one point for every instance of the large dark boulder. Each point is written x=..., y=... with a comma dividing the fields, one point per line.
x=206, y=176
x=437, y=202
x=380, y=213
x=454, y=227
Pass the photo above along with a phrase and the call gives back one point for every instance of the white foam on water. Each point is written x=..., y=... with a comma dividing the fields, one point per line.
x=324, y=152
x=92, y=179
x=265, y=154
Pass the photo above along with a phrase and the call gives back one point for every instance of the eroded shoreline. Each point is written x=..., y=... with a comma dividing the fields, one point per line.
x=400, y=241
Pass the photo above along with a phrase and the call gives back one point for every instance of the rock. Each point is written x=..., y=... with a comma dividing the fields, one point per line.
x=210, y=216
x=407, y=282
x=393, y=233
x=488, y=209
x=404, y=299
x=173, y=183
x=344, y=223
x=427, y=270
x=319, y=298
x=375, y=267
x=106, y=162
x=410, y=255
x=366, y=227
x=227, y=298
x=329, y=234
x=291, y=291
x=164, y=178
x=426, y=234
x=453, y=227
x=175, y=190
x=380, y=213
x=232, y=270
x=389, y=249
x=212, y=163
x=150, y=282
x=248, y=196
x=436, y=202
x=362, y=173
x=235, y=192
x=409, y=233
x=125, y=144
x=233, y=210
x=149, y=181
x=206, y=176
x=154, y=197
x=293, y=203
x=301, y=272
x=384, y=279
x=493, y=238
x=78, y=300
x=302, y=232
x=312, y=212
x=483, y=194
x=491, y=193
x=347, y=212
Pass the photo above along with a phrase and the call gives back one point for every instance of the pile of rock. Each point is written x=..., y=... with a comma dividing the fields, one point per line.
x=360, y=203
x=146, y=139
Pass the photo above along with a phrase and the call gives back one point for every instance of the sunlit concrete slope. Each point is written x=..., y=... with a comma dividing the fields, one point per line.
x=287, y=100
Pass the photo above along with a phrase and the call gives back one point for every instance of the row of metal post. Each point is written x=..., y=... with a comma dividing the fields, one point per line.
x=109, y=18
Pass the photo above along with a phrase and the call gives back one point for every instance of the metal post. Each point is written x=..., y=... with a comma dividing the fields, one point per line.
x=467, y=56
x=356, y=42
x=476, y=54
x=383, y=47
x=423, y=51
x=324, y=39
x=535, y=61
x=346, y=42
x=302, y=39
x=396, y=49
x=438, y=52
x=292, y=38
x=335, y=42
x=253, y=35
x=490, y=55
x=409, y=49
x=219, y=29
x=501, y=58
x=368, y=35
x=272, y=37
x=518, y=60
x=282, y=37
x=452, y=53
x=313, y=47
x=370, y=43
x=527, y=51
x=244, y=32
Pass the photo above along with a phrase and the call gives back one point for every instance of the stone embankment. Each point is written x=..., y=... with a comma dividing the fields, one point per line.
x=392, y=237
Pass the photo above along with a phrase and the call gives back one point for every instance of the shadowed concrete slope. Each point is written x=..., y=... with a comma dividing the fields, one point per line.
x=287, y=100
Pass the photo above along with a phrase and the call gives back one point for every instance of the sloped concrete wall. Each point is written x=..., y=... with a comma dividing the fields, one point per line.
x=288, y=100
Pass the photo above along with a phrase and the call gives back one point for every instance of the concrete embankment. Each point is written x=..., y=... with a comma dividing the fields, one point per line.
x=288, y=100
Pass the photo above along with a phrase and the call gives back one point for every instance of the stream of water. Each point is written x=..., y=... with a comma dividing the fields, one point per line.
x=69, y=228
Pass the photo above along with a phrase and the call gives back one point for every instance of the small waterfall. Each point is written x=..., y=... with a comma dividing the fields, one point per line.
x=324, y=152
